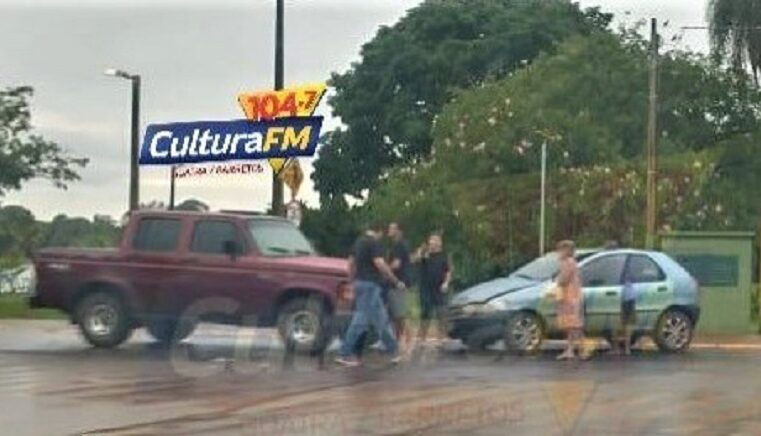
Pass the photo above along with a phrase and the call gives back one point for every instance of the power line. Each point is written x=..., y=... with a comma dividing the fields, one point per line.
x=709, y=28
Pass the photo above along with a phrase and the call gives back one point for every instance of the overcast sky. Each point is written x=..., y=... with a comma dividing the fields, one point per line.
x=195, y=57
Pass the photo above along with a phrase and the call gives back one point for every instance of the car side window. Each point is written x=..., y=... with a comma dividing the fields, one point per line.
x=642, y=269
x=157, y=234
x=603, y=271
x=210, y=237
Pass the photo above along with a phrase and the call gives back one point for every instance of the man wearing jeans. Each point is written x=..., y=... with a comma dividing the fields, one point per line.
x=369, y=270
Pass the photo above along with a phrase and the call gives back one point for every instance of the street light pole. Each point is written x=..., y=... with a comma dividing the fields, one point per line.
x=134, y=173
x=134, y=168
x=277, y=184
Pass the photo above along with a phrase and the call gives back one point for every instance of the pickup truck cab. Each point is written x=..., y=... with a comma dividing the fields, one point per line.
x=173, y=269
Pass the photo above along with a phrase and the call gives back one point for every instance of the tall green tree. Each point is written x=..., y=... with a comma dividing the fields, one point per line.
x=735, y=29
x=25, y=155
x=407, y=72
x=588, y=100
x=19, y=233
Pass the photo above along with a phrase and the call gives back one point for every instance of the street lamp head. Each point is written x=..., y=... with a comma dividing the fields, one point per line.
x=118, y=73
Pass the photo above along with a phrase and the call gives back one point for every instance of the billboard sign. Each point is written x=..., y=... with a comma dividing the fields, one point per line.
x=213, y=141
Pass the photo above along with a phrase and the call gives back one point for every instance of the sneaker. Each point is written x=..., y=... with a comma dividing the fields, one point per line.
x=347, y=361
x=397, y=359
x=566, y=356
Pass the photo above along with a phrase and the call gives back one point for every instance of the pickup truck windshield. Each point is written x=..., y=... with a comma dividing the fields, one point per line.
x=279, y=238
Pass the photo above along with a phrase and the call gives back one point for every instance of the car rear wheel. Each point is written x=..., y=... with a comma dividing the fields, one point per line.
x=103, y=319
x=674, y=331
x=302, y=324
x=524, y=333
x=168, y=330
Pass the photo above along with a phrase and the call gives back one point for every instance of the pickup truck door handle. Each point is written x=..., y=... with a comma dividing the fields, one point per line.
x=611, y=293
x=662, y=289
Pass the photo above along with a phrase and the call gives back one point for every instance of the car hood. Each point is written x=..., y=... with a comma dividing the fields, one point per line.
x=484, y=292
x=315, y=264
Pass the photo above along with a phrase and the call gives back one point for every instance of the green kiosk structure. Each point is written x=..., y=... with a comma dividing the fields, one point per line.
x=722, y=262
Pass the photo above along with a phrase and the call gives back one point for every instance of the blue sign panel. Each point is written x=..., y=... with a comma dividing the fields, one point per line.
x=210, y=141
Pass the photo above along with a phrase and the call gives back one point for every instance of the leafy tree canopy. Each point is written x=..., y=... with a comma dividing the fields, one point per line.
x=735, y=29
x=192, y=204
x=388, y=100
x=589, y=102
x=24, y=155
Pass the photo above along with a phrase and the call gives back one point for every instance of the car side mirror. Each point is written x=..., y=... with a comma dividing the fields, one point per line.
x=231, y=248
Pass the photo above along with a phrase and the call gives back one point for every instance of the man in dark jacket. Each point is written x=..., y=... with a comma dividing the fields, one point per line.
x=369, y=271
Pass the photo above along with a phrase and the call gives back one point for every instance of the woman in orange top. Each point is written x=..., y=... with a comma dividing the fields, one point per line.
x=570, y=310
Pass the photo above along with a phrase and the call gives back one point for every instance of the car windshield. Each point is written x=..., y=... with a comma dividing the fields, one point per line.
x=542, y=268
x=279, y=238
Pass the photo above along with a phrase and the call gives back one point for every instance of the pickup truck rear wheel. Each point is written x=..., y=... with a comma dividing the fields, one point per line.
x=303, y=323
x=168, y=331
x=103, y=319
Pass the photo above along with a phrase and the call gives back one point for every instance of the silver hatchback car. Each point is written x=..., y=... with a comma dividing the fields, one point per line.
x=518, y=308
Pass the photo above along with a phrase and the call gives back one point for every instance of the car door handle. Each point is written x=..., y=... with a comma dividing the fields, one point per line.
x=611, y=293
x=662, y=289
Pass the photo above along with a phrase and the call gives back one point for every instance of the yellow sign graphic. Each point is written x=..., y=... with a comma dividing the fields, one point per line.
x=300, y=101
x=293, y=176
x=569, y=400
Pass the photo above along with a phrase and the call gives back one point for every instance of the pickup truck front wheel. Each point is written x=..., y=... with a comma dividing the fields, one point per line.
x=302, y=324
x=103, y=319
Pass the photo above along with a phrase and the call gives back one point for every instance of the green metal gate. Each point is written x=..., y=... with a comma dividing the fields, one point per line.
x=722, y=263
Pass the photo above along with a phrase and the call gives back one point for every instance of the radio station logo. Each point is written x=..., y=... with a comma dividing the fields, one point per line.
x=278, y=128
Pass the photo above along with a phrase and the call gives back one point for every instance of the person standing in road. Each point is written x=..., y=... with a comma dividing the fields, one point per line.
x=368, y=270
x=570, y=308
x=628, y=317
x=399, y=261
x=435, y=275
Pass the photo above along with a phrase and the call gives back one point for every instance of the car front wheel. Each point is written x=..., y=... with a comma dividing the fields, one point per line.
x=674, y=331
x=524, y=333
x=302, y=324
x=103, y=319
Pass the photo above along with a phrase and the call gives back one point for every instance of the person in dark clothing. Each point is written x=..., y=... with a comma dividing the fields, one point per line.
x=435, y=275
x=396, y=298
x=368, y=270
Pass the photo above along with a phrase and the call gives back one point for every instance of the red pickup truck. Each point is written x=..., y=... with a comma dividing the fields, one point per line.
x=173, y=269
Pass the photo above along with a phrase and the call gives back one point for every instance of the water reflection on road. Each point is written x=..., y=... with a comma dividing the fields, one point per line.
x=222, y=381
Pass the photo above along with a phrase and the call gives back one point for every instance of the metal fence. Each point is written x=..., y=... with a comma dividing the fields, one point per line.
x=16, y=281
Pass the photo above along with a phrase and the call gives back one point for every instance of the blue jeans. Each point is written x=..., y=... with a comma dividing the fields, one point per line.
x=368, y=311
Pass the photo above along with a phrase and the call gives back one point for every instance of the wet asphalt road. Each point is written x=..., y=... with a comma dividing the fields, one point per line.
x=224, y=381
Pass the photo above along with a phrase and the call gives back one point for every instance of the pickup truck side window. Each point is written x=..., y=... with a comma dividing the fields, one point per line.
x=210, y=236
x=157, y=234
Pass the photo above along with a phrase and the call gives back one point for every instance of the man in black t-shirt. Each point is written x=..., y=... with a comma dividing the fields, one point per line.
x=396, y=298
x=369, y=270
x=435, y=275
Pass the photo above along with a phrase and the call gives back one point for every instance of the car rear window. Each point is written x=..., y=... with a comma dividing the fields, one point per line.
x=157, y=234
x=642, y=269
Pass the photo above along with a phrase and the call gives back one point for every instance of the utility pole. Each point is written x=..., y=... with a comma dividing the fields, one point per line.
x=172, y=178
x=543, y=199
x=652, y=138
x=277, y=184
